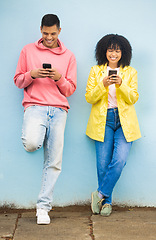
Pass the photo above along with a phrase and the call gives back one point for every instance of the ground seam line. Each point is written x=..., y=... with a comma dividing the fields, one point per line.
x=16, y=224
x=91, y=228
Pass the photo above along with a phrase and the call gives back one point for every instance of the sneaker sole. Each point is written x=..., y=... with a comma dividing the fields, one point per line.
x=105, y=215
x=43, y=223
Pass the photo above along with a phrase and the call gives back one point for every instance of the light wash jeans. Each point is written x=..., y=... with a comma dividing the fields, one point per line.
x=111, y=155
x=45, y=125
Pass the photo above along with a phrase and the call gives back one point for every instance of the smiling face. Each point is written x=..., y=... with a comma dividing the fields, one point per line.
x=113, y=56
x=50, y=36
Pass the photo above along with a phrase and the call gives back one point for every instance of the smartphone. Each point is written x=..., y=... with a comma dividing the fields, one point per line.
x=46, y=65
x=111, y=72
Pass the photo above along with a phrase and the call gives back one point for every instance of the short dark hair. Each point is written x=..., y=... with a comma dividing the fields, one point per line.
x=49, y=20
x=113, y=41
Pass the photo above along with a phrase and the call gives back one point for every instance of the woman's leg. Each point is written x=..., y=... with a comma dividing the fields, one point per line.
x=114, y=170
x=104, y=152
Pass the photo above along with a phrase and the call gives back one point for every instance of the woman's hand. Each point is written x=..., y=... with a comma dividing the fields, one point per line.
x=118, y=81
x=113, y=79
x=108, y=80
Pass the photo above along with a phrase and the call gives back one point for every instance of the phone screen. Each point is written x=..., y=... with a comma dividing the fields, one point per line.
x=111, y=72
x=46, y=65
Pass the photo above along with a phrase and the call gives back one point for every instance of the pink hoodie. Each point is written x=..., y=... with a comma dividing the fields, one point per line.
x=45, y=91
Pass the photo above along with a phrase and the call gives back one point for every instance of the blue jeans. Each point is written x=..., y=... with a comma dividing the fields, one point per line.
x=111, y=155
x=45, y=125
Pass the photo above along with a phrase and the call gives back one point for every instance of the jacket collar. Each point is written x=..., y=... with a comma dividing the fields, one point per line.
x=103, y=69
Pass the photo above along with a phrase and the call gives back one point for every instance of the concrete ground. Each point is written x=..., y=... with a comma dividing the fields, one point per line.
x=78, y=223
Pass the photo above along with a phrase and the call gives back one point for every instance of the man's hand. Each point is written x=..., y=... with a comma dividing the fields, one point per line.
x=39, y=73
x=54, y=74
x=43, y=73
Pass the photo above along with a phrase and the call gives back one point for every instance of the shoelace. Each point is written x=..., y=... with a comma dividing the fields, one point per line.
x=105, y=205
x=101, y=201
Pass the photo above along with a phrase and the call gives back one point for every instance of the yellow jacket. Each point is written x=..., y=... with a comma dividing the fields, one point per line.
x=126, y=94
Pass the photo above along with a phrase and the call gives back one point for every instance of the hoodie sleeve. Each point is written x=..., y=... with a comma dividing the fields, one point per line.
x=22, y=77
x=67, y=85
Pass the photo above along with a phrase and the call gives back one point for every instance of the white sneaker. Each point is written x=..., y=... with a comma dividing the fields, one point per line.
x=42, y=216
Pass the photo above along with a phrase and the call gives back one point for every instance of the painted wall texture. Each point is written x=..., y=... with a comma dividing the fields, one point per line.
x=83, y=24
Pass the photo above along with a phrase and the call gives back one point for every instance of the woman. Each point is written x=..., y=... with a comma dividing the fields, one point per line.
x=113, y=122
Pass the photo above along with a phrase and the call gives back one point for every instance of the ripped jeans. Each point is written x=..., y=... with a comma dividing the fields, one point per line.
x=45, y=125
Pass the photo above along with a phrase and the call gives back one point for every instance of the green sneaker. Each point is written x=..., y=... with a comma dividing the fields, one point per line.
x=96, y=203
x=106, y=210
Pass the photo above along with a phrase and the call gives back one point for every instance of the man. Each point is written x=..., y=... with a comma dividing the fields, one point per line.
x=45, y=90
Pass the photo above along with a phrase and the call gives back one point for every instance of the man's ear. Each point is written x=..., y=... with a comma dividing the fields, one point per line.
x=60, y=30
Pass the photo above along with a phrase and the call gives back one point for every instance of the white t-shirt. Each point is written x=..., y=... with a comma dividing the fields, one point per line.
x=112, y=102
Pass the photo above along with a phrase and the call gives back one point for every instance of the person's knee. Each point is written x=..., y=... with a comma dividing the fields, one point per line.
x=120, y=165
x=31, y=146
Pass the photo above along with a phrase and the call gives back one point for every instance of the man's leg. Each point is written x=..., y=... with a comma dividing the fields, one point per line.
x=34, y=127
x=53, y=150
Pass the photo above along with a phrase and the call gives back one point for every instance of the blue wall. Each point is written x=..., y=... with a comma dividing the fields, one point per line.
x=83, y=24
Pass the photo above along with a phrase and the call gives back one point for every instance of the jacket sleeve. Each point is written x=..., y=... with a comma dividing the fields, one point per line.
x=128, y=89
x=95, y=90
x=67, y=85
x=22, y=77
